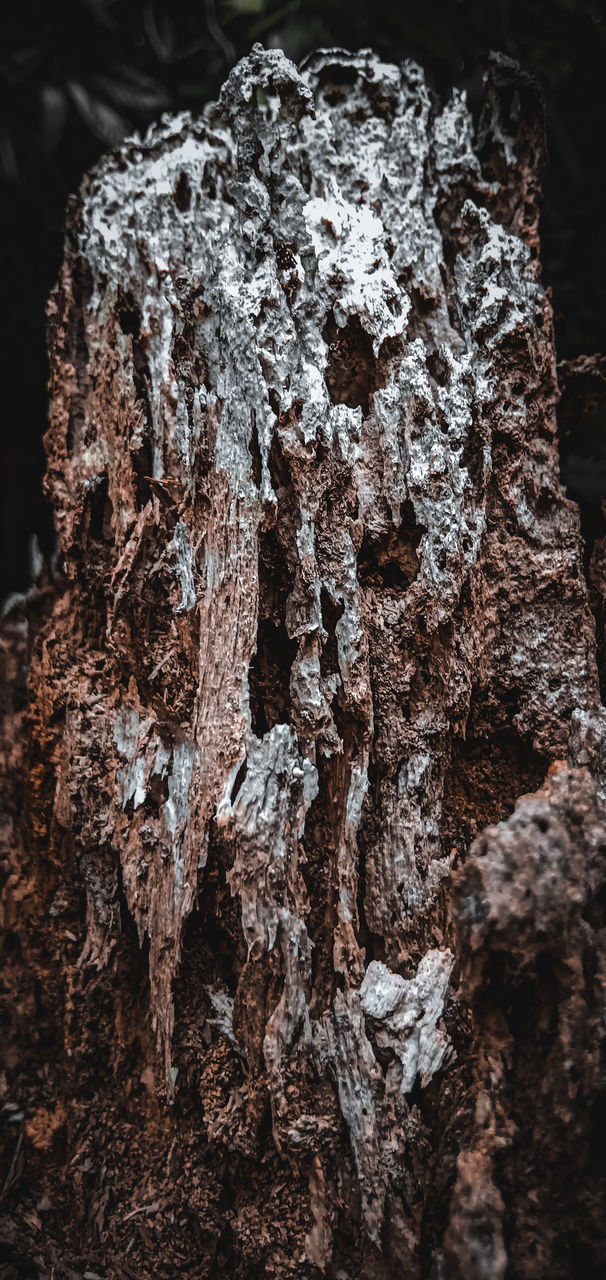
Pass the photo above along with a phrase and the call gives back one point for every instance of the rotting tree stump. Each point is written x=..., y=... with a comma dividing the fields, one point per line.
x=304, y=812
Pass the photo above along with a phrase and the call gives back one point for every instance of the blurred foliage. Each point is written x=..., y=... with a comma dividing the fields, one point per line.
x=76, y=75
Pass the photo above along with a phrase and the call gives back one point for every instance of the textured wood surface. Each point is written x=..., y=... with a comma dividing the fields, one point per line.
x=319, y=622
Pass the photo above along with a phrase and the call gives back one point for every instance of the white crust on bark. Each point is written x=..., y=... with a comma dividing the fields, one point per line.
x=275, y=232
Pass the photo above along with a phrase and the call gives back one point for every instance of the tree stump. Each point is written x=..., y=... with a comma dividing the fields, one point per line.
x=305, y=827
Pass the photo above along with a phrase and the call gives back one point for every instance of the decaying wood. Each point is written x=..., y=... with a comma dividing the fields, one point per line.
x=306, y=826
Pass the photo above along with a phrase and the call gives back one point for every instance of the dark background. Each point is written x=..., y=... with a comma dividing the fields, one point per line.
x=75, y=75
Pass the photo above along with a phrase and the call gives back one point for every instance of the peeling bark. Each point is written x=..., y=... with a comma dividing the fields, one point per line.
x=320, y=627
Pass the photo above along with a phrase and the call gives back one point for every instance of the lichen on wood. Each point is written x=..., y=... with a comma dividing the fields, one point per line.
x=321, y=618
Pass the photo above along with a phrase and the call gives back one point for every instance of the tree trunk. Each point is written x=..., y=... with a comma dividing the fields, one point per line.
x=305, y=906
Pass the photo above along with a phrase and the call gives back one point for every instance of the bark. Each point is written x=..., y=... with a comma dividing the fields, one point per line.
x=305, y=806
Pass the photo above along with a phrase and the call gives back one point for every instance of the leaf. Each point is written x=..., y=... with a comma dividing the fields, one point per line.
x=106, y=124
x=161, y=36
x=131, y=89
x=53, y=111
x=238, y=8
x=8, y=159
x=99, y=11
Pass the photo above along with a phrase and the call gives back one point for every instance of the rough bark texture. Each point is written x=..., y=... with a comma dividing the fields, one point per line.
x=305, y=906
